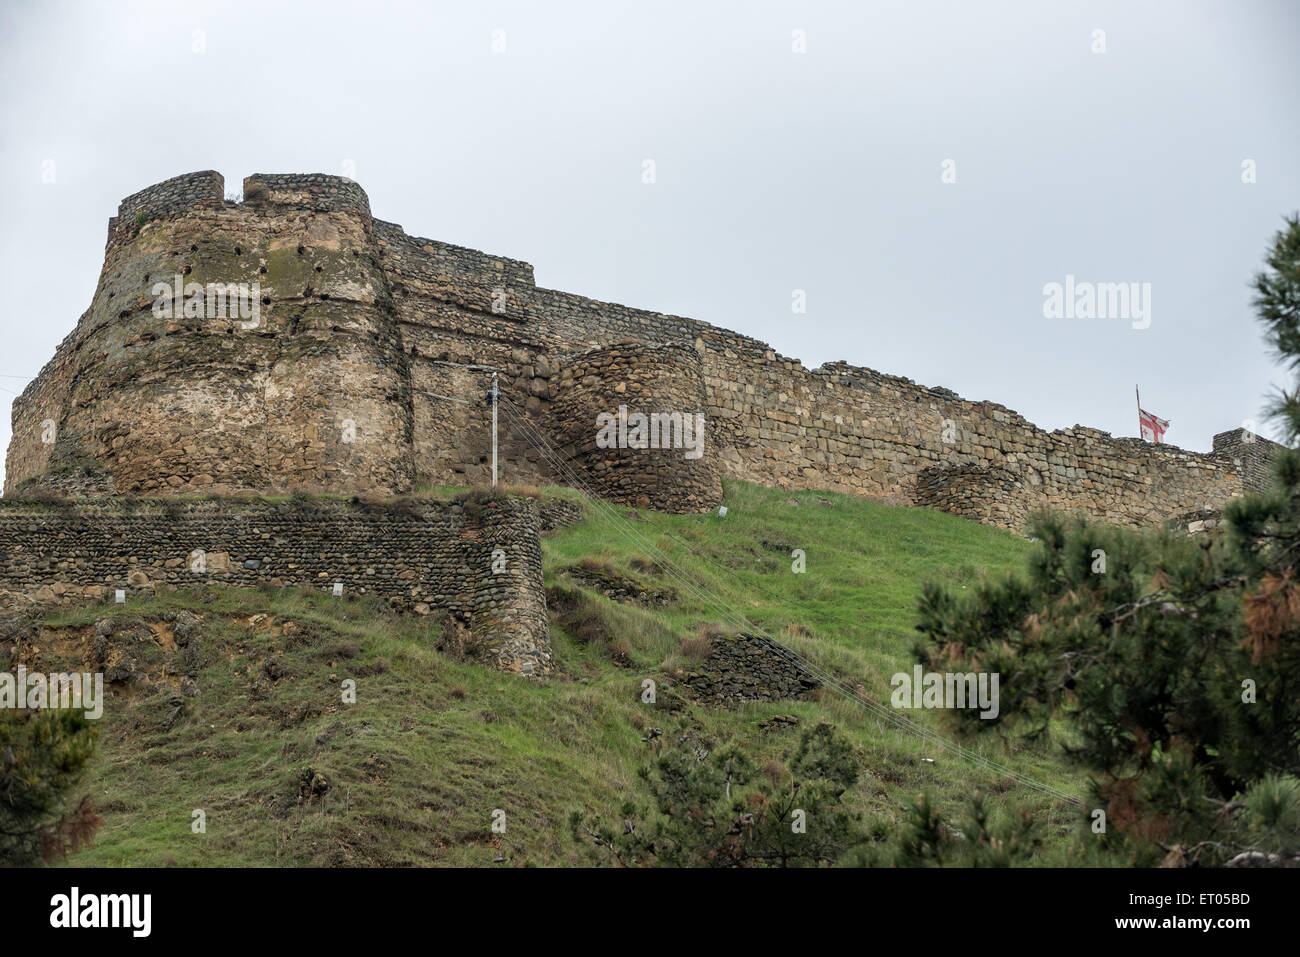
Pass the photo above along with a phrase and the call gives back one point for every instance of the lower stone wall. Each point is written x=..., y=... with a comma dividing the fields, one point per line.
x=479, y=561
x=750, y=668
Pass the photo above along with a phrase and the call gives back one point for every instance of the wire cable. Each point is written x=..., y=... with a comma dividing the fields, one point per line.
x=732, y=615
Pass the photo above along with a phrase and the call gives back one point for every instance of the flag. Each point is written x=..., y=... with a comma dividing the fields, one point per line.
x=1152, y=427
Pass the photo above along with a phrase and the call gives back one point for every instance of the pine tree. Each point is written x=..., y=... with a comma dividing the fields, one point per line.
x=1172, y=667
x=712, y=808
x=42, y=755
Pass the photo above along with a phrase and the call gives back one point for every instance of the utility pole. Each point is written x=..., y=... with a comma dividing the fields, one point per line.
x=495, y=393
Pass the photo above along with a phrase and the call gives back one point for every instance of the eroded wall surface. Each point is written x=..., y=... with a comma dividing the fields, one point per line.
x=368, y=367
x=480, y=563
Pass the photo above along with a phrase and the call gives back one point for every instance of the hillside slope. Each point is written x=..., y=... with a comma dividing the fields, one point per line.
x=231, y=702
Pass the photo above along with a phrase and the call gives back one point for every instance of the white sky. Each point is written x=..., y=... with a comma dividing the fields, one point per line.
x=775, y=171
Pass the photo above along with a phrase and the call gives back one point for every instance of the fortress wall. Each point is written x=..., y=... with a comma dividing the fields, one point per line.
x=1252, y=455
x=572, y=324
x=464, y=314
x=850, y=429
x=465, y=277
x=418, y=557
x=196, y=402
x=988, y=494
x=435, y=329
x=36, y=414
x=310, y=191
x=453, y=439
x=176, y=195
x=646, y=379
x=398, y=335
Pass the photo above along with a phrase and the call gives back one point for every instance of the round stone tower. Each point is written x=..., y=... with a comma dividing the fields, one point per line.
x=229, y=346
x=632, y=415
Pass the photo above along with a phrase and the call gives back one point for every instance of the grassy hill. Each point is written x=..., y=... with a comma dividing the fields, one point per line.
x=287, y=773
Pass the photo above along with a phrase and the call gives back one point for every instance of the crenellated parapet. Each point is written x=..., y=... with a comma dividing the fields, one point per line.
x=317, y=192
x=358, y=358
x=175, y=195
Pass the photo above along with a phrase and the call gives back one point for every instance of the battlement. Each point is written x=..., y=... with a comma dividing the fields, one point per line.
x=365, y=366
x=1250, y=454
x=313, y=191
x=175, y=195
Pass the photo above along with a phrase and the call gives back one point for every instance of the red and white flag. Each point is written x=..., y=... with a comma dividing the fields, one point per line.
x=1153, y=427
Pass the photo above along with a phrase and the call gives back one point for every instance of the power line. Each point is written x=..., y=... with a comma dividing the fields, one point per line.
x=449, y=398
x=732, y=615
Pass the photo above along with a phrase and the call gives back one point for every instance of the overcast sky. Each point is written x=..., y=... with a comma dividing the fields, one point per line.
x=774, y=170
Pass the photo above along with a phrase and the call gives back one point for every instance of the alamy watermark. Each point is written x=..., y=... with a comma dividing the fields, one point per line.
x=656, y=430
x=75, y=909
x=56, y=690
x=930, y=689
x=1098, y=300
x=216, y=300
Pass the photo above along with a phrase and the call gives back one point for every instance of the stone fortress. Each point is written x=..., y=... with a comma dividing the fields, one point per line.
x=364, y=367
x=368, y=365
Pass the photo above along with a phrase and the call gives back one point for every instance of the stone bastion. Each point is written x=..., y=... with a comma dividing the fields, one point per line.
x=292, y=342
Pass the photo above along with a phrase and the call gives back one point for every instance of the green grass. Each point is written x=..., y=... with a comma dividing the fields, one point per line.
x=416, y=767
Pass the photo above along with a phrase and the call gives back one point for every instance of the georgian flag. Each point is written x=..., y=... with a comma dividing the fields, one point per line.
x=1153, y=428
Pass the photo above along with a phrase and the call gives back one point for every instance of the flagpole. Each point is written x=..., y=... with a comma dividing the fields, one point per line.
x=1138, y=396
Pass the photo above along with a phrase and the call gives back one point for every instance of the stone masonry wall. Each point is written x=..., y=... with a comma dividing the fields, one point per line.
x=174, y=195
x=750, y=668
x=992, y=495
x=417, y=556
x=1251, y=455
x=645, y=380
x=399, y=336
x=312, y=394
x=311, y=191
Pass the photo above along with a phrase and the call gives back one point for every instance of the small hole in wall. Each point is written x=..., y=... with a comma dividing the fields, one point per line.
x=262, y=270
x=194, y=248
x=238, y=251
x=355, y=253
x=318, y=268
x=187, y=270
x=301, y=250
x=482, y=459
x=324, y=295
x=124, y=313
x=146, y=277
x=266, y=300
